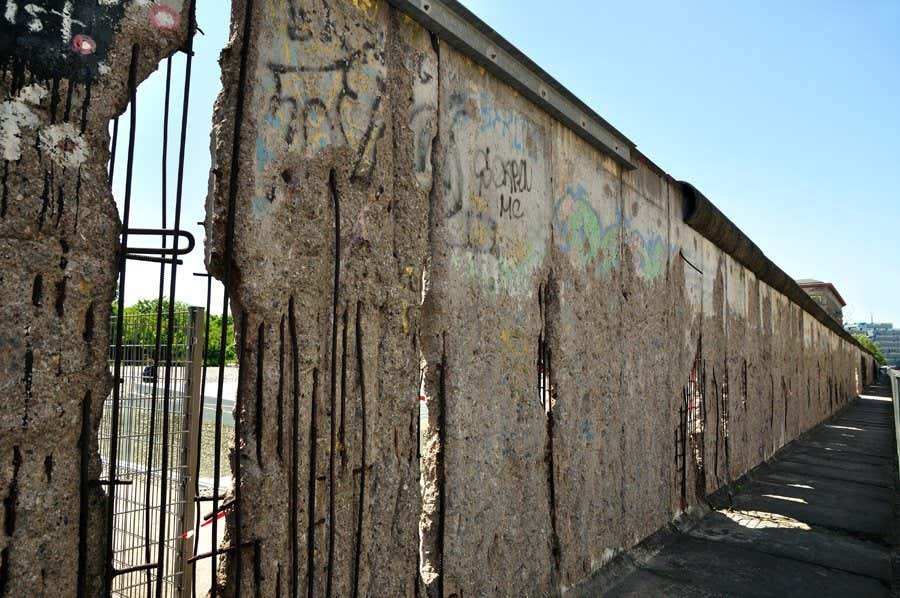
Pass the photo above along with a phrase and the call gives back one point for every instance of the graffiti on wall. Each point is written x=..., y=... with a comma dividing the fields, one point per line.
x=594, y=245
x=70, y=38
x=648, y=252
x=517, y=375
x=581, y=233
x=495, y=189
x=323, y=79
x=423, y=116
x=53, y=51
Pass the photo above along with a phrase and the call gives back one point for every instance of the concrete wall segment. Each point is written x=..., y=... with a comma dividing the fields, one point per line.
x=64, y=76
x=406, y=223
x=331, y=223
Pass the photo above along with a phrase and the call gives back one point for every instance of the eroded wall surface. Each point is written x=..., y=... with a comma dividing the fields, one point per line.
x=408, y=228
x=330, y=247
x=65, y=72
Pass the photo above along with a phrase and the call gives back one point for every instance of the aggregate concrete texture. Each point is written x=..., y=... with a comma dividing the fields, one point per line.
x=327, y=272
x=781, y=530
x=397, y=227
x=406, y=225
x=64, y=75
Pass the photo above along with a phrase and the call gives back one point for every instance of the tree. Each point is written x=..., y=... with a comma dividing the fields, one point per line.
x=870, y=345
x=139, y=332
x=215, y=341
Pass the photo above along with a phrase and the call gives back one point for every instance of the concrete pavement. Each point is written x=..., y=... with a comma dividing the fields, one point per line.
x=819, y=519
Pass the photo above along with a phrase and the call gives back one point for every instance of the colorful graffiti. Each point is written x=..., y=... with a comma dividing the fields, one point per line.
x=324, y=82
x=581, y=233
x=494, y=191
x=648, y=253
x=594, y=245
x=64, y=39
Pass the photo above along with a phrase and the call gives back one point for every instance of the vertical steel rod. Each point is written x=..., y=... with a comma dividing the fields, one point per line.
x=158, y=335
x=176, y=227
x=117, y=369
x=226, y=280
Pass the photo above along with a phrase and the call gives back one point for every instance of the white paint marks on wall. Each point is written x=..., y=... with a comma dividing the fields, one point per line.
x=33, y=94
x=64, y=144
x=16, y=117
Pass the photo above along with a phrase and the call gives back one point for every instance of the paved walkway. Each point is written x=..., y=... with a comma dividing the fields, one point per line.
x=818, y=520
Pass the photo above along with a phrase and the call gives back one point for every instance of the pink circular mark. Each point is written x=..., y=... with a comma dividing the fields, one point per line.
x=164, y=17
x=84, y=44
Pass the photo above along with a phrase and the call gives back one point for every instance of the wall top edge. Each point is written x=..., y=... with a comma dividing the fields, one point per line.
x=460, y=28
x=704, y=217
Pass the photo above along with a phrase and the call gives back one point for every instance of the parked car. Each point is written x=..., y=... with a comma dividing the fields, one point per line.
x=148, y=374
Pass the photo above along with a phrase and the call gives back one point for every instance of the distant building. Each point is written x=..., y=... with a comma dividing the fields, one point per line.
x=826, y=296
x=886, y=337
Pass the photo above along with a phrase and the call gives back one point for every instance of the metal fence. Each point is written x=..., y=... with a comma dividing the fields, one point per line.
x=168, y=482
x=156, y=445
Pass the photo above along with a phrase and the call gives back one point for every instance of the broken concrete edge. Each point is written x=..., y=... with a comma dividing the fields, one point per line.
x=61, y=85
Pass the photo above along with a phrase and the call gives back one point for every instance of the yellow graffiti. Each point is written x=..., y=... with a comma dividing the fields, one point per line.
x=404, y=317
x=479, y=234
x=518, y=347
x=517, y=250
x=479, y=203
x=369, y=7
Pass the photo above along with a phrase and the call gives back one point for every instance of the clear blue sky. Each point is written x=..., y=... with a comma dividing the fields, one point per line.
x=785, y=114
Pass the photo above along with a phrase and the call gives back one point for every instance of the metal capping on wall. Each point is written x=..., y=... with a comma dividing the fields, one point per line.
x=704, y=217
x=473, y=37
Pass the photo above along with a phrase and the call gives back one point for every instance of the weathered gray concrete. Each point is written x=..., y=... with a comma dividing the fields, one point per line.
x=63, y=78
x=406, y=224
x=330, y=237
x=783, y=530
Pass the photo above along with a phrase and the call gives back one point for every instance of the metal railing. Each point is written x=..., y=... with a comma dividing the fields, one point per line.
x=894, y=375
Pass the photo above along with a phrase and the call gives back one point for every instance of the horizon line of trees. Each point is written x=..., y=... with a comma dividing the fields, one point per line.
x=139, y=332
x=869, y=344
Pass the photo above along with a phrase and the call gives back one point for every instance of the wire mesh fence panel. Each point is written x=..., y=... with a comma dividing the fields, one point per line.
x=142, y=499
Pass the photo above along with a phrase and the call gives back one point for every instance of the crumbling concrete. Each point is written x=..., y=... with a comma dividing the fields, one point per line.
x=65, y=75
x=400, y=211
x=330, y=240
x=396, y=226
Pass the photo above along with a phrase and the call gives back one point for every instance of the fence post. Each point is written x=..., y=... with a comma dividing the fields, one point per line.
x=191, y=407
x=894, y=376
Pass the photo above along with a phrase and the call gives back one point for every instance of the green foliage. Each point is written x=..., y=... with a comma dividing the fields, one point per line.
x=139, y=332
x=869, y=344
x=215, y=341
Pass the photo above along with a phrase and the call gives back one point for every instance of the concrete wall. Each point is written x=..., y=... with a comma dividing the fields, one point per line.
x=64, y=76
x=402, y=213
x=330, y=245
x=405, y=225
